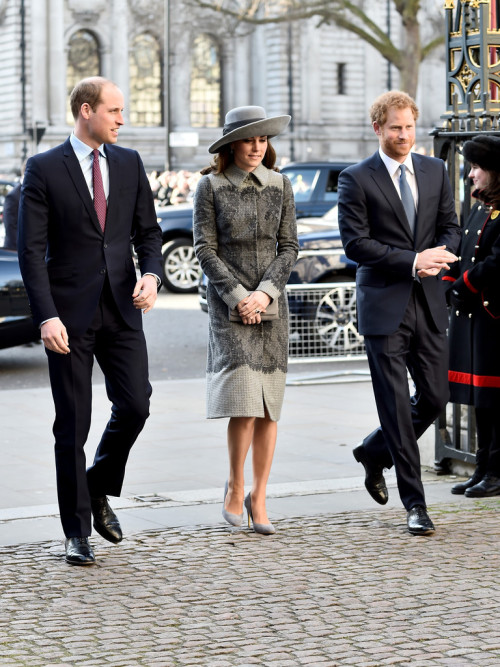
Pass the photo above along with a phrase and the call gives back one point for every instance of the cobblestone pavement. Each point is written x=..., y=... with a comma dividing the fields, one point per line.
x=338, y=589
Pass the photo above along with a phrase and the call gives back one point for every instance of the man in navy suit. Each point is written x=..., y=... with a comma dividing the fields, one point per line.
x=398, y=222
x=82, y=205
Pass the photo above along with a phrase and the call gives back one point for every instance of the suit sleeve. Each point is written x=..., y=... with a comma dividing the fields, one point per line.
x=146, y=237
x=448, y=232
x=32, y=243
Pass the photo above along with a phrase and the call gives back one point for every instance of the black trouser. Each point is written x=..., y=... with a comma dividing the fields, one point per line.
x=121, y=354
x=416, y=347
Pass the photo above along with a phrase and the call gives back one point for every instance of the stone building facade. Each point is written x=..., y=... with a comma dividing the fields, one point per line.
x=326, y=77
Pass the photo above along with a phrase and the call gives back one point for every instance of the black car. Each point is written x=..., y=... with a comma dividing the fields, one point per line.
x=314, y=186
x=321, y=294
x=321, y=256
x=16, y=324
x=181, y=271
x=315, y=190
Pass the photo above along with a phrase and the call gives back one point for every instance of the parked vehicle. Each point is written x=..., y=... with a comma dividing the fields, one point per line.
x=322, y=320
x=315, y=188
x=181, y=271
x=16, y=325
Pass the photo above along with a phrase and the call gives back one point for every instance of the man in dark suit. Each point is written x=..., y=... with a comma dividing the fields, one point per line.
x=82, y=204
x=398, y=222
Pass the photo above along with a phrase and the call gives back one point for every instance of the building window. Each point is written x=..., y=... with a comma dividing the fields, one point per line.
x=205, y=91
x=83, y=61
x=341, y=79
x=145, y=67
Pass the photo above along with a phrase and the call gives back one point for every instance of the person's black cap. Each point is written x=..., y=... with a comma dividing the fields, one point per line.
x=483, y=150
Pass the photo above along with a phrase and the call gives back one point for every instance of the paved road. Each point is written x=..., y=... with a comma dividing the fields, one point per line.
x=176, y=331
x=350, y=588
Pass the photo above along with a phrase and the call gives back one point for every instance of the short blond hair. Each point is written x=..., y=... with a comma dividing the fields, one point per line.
x=393, y=98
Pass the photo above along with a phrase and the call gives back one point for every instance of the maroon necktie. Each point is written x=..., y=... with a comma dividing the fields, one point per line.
x=99, y=196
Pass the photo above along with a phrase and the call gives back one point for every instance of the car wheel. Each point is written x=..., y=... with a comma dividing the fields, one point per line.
x=335, y=320
x=181, y=270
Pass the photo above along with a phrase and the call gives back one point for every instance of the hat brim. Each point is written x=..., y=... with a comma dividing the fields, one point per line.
x=268, y=127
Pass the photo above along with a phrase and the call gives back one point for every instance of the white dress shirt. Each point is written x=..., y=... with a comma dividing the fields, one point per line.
x=393, y=167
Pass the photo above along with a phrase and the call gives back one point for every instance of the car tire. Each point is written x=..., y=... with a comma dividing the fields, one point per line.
x=336, y=322
x=181, y=269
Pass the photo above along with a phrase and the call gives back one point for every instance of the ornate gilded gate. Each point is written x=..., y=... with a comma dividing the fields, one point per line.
x=473, y=107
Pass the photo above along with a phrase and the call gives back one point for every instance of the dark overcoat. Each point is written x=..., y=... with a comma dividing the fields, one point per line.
x=474, y=369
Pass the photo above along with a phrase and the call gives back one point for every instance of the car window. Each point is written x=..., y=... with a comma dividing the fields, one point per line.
x=303, y=182
x=332, y=184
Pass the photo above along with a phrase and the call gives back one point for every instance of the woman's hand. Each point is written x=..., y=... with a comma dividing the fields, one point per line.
x=252, y=306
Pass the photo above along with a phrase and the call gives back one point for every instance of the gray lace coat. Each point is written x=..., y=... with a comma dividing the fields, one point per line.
x=245, y=237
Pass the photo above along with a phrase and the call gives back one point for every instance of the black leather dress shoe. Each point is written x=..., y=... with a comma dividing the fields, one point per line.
x=461, y=487
x=79, y=551
x=374, y=479
x=105, y=520
x=419, y=522
x=488, y=486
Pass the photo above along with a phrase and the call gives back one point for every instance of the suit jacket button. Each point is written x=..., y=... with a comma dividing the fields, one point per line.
x=102, y=271
x=470, y=315
x=486, y=303
x=457, y=313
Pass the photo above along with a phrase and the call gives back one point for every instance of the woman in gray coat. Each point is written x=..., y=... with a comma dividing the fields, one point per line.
x=245, y=237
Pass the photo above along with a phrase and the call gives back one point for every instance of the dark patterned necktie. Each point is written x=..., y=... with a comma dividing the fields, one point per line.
x=407, y=198
x=99, y=196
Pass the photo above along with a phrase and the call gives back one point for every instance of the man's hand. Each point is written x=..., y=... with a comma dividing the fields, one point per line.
x=431, y=261
x=55, y=336
x=145, y=293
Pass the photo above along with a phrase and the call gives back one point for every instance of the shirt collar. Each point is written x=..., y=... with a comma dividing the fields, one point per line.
x=83, y=150
x=237, y=176
x=393, y=165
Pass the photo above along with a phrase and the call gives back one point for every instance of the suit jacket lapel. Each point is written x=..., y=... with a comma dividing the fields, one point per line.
x=76, y=174
x=114, y=182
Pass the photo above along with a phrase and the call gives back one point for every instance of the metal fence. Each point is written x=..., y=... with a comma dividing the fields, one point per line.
x=455, y=438
x=322, y=323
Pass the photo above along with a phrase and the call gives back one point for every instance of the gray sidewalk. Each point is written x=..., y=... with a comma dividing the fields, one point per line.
x=176, y=472
x=341, y=583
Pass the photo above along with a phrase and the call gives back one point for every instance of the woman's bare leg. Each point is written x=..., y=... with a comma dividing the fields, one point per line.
x=240, y=431
x=263, y=446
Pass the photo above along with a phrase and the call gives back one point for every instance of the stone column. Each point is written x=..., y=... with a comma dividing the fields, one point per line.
x=120, y=48
x=38, y=76
x=57, y=63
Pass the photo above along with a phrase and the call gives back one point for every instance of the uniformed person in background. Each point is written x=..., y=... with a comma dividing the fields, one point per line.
x=474, y=293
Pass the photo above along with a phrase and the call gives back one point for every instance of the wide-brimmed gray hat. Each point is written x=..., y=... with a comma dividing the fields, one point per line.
x=246, y=122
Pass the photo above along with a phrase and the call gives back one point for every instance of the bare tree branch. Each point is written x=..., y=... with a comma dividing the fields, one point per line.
x=345, y=14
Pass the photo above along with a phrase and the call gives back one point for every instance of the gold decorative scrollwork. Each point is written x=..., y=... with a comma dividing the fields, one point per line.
x=465, y=76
